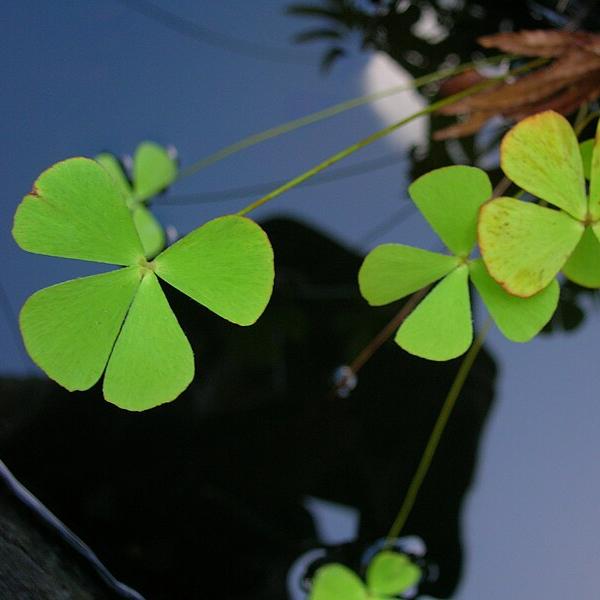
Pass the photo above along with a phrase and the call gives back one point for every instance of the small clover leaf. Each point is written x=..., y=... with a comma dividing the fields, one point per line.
x=337, y=582
x=449, y=198
x=120, y=321
x=392, y=573
x=525, y=245
x=583, y=266
x=440, y=328
x=378, y=277
x=153, y=170
x=389, y=575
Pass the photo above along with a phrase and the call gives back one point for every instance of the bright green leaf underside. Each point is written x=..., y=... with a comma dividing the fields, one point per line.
x=337, y=582
x=440, y=328
x=391, y=573
x=69, y=329
x=115, y=170
x=519, y=319
x=76, y=211
x=449, y=199
x=583, y=266
x=152, y=361
x=596, y=229
x=153, y=170
x=541, y=155
x=72, y=329
x=585, y=149
x=225, y=265
x=525, y=245
x=150, y=231
x=392, y=271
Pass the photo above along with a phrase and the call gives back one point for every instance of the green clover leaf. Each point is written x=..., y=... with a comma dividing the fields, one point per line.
x=337, y=582
x=440, y=327
x=153, y=171
x=586, y=149
x=392, y=573
x=120, y=322
x=389, y=574
x=525, y=245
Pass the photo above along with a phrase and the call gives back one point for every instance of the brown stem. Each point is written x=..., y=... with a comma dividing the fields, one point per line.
x=367, y=352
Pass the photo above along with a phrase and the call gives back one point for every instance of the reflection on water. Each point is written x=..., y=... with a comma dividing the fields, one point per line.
x=208, y=495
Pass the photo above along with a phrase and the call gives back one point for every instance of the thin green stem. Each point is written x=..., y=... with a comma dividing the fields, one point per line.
x=331, y=111
x=436, y=434
x=383, y=133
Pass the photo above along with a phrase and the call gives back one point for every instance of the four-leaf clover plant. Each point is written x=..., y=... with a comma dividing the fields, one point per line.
x=153, y=170
x=440, y=327
x=120, y=322
x=389, y=575
x=524, y=245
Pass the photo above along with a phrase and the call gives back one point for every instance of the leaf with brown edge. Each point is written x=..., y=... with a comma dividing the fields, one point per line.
x=525, y=245
x=541, y=155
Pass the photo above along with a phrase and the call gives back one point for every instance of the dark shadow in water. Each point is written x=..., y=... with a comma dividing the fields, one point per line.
x=203, y=497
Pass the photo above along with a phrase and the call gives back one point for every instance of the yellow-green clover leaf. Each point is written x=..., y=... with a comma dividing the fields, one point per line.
x=389, y=575
x=336, y=582
x=586, y=149
x=440, y=327
x=120, y=322
x=525, y=245
x=153, y=170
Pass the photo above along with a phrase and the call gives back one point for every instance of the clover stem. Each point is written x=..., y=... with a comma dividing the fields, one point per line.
x=436, y=434
x=501, y=187
x=332, y=111
x=388, y=330
x=383, y=133
x=367, y=352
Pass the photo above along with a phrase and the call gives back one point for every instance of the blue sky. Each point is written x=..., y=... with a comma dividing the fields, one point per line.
x=82, y=77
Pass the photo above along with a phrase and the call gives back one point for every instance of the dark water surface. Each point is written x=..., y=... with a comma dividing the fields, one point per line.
x=209, y=493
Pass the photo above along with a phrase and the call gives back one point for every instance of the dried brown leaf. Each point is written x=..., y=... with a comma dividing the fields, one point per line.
x=461, y=82
x=566, y=82
x=472, y=124
x=545, y=43
x=532, y=87
x=566, y=102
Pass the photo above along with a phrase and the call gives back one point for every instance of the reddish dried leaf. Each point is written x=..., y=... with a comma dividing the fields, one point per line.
x=532, y=87
x=461, y=82
x=562, y=85
x=565, y=102
x=472, y=124
x=544, y=43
